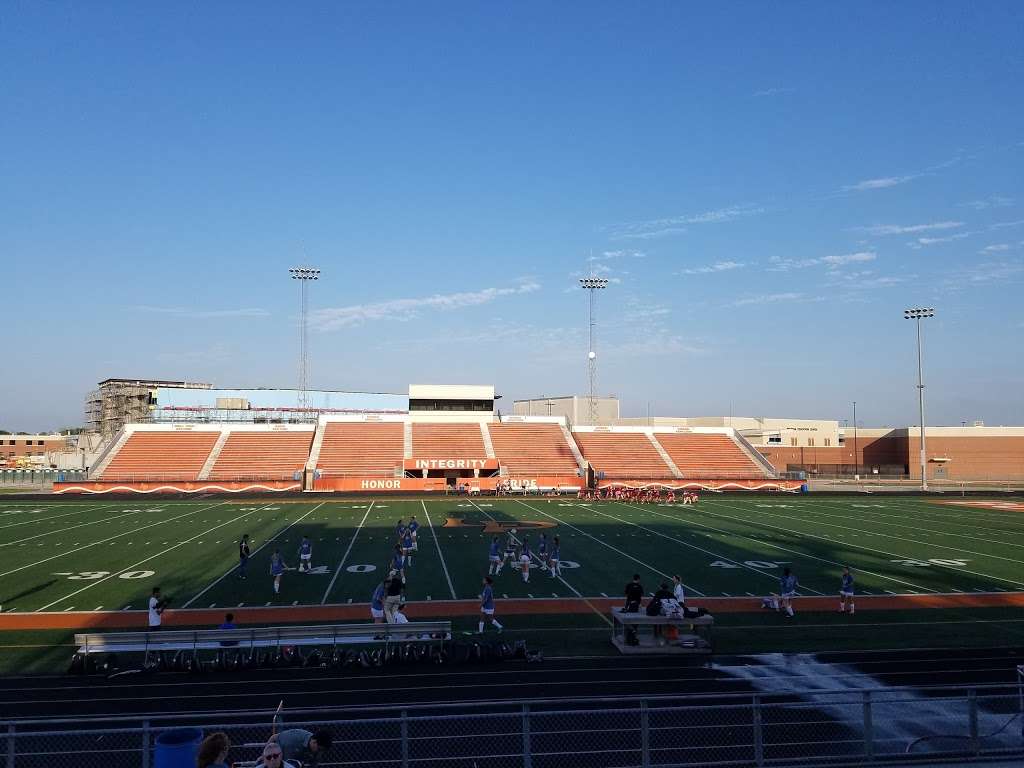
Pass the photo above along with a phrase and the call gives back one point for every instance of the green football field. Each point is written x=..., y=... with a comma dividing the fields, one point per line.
x=97, y=555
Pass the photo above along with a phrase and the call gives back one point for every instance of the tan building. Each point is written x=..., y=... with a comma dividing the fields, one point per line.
x=758, y=431
x=18, y=451
x=574, y=408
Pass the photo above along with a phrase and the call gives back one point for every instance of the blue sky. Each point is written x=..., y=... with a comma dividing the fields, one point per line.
x=767, y=186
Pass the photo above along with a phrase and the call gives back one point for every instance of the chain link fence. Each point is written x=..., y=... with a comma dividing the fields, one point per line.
x=810, y=728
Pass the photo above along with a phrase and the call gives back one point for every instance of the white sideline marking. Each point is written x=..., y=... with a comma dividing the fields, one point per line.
x=104, y=541
x=240, y=605
x=213, y=605
x=133, y=566
x=337, y=571
x=440, y=554
x=235, y=568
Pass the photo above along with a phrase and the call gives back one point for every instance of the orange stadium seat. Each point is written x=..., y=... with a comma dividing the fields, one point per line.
x=708, y=455
x=532, y=449
x=447, y=441
x=622, y=455
x=262, y=455
x=362, y=448
x=162, y=456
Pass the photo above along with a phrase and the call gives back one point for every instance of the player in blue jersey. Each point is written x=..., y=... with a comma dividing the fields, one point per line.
x=542, y=551
x=494, y=557
x=400, y=531
x=408, y=546
x=787, y=591
x=846, y=591
x=487, y=605
x=556, y=553
x=398, y=562
x=377, y=604
x=525, y=556
x=277, y=569
x=414, y=528
x=305, y=555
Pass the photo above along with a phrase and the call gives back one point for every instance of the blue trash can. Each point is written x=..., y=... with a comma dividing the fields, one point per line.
x=177, y=748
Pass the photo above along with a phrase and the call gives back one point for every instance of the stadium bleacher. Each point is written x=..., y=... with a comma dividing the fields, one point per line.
x=162, y=454
x=270, y=455
x=623, y=455
x=533, y=449
x=362, y=448
x=708, y=455
x=447, y=440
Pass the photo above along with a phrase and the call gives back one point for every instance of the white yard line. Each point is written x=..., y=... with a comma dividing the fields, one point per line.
x=777, y=546
x=915, y=525
x=440, y=554
x=54, y=517
x=104, y=541
x=69, y=528
x=141, y=562
x=955, y=569
x=233, y=569
x=708, y=552
x=341, y=564
x=602, y=543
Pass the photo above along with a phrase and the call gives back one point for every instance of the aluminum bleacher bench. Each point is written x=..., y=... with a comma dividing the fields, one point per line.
x=263, y=637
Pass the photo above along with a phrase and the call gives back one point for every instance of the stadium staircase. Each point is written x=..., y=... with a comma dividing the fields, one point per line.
x=664, y=455
x=699, y=454
x=261, y=455
x=314, y=451
x=623, y=455
x=580, y=461
x=108, y=453
x=533, y=449
x=485, y=435
x=362, y=448
x=755, y=455
x=204, y=473
x=177, y=455
x=407, y=440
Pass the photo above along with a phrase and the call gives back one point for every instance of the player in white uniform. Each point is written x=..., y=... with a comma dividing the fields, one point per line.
x=305, y=555
x=846, y=591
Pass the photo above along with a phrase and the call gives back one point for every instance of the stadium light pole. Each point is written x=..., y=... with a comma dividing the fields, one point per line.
x=920, y=313
x=304, y=275
x=856, y=460
x=592, y=285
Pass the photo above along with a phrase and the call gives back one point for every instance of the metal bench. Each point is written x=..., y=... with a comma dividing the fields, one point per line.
x=263, y=637
x=694, y=633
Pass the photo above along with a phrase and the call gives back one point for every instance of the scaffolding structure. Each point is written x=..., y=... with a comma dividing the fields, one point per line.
x=116, y=402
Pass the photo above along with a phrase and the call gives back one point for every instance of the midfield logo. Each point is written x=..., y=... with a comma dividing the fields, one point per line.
x=498, y=526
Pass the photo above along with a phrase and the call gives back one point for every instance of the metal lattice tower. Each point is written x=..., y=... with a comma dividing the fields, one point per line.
x=592, y=285
x=304, y=275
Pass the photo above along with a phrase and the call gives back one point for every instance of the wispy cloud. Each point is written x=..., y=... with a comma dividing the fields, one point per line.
x=618, y=255
x=992, y=201
x=924, y=242
x=777, y=264
x=709, y=269
x=883, y=183
x=1004, y=224
x=864, y=279
x=898, y=229
x=996, y=248
x=775, y=298
x=407, y=309
x=203, y=313
x=774, y=92
x=674, y=225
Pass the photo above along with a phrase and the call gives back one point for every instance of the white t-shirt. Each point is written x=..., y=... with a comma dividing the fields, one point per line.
x=154, y=616
x=678, y=594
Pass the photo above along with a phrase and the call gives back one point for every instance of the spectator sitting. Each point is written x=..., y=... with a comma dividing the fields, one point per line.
x=634, y=594
x=301, y=745
x=213, y=751
x=228, y=623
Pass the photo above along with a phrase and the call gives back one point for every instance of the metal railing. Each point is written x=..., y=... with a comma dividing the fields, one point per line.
x=847, y=727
